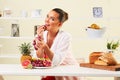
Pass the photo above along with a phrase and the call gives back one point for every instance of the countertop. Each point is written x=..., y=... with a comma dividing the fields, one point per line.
x=67, y=70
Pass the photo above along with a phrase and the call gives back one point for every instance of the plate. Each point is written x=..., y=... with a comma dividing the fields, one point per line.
x=42, y=67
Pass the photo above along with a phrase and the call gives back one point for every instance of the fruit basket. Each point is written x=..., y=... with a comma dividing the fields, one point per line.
x=94, y=31
x=41, y=63
x=37, y=63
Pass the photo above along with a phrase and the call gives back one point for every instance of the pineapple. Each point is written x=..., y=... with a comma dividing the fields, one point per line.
x=25, y=49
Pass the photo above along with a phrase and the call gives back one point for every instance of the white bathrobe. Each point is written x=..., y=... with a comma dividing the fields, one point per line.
x=61, y=48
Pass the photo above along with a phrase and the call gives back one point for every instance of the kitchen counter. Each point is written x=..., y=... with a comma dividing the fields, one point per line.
x=68, y=70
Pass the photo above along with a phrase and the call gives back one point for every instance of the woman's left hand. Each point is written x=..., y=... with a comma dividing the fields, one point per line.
x=40, y=43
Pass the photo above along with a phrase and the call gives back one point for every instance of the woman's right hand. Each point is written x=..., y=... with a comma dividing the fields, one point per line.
x=39, y=36
x=40, y=30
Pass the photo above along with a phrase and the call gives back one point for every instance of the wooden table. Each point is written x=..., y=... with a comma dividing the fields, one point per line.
x=68, y=70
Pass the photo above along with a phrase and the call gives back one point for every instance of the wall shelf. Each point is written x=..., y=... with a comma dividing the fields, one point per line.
x=20, y=18
x=9, y=37
x=10, y=56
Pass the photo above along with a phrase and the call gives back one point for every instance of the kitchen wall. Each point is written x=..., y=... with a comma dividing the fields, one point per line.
x=80, y=17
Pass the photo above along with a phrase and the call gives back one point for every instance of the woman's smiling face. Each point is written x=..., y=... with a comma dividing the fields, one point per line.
x=52, y=21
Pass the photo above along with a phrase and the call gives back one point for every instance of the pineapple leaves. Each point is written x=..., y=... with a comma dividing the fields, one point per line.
x=25, y=48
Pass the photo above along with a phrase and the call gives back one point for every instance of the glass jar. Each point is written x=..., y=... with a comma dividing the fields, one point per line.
x=115, y=53
x=7, y=12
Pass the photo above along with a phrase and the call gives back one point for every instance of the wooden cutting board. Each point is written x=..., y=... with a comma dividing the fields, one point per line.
x=111, y=68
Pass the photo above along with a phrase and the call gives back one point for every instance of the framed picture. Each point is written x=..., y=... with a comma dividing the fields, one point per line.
x=36, y=13
x=97, y=12
x=35, y=29
x=15, y=30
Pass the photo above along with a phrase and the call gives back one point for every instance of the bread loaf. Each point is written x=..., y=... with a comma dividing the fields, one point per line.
x=100, y=62
x=94, y=56
x=108, y=58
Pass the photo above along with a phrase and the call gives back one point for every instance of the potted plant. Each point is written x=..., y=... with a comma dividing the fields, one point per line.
x=112, y=46
x=25, y=49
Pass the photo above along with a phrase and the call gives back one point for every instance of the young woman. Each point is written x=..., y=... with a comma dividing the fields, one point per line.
x=54, y=43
